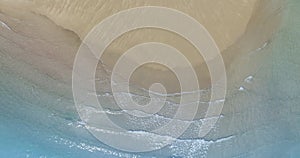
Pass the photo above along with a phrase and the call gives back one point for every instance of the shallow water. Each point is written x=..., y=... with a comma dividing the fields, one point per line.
x=38, y=117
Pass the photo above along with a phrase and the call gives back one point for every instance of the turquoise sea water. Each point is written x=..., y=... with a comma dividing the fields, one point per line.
x=35, y=122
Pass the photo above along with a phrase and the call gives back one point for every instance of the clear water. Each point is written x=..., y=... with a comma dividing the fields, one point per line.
x=261, y=121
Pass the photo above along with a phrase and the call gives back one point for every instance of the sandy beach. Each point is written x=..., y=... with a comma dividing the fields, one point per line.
x=39, y=41
x=239, y=31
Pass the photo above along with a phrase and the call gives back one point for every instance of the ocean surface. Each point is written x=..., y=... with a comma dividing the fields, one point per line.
x=261, y=115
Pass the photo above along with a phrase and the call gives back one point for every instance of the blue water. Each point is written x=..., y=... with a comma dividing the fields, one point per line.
x=35, y=122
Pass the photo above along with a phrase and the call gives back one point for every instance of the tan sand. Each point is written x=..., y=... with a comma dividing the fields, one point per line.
x=234, y=25
x=37, y=50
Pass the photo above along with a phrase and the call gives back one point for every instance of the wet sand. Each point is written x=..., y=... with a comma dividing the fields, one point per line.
x=240, y=29
x=45, y=50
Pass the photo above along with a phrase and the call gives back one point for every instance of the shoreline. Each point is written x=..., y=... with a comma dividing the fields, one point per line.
x=254, y=35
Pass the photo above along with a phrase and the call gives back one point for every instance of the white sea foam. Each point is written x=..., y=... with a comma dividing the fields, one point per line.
x=4, y=25
x=249, y=79
x=91, y=148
